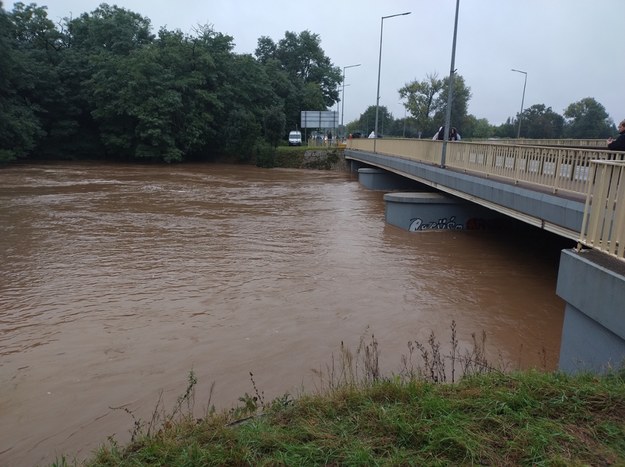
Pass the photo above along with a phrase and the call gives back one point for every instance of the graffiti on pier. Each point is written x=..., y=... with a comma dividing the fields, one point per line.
x=473, y=223
x=440, y=224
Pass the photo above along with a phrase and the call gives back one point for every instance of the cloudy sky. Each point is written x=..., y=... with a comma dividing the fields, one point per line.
x=570, y=49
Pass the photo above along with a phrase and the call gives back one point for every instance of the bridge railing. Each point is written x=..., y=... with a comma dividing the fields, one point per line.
x=603, y=226
x=558, y=169
x=595, y=143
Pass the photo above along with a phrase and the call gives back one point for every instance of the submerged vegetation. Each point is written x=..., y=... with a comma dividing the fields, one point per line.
x=422, y=416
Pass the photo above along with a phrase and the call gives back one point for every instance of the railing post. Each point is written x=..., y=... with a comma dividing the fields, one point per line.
x=598, y=204
x=517, y=152
x=556, y=174
x=583, y=235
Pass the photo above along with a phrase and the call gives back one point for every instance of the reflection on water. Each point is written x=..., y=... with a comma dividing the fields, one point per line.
x=116, y=281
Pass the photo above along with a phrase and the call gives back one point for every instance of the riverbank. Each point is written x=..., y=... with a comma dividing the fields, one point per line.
x=524, y=418
x=303, y=157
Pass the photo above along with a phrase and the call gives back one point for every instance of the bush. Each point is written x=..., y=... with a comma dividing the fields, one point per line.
x=265, y=154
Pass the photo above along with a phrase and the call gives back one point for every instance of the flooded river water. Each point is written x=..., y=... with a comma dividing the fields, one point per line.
x=116, y=281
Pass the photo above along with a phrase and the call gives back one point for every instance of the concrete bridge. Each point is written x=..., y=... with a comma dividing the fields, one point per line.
x=571, y=188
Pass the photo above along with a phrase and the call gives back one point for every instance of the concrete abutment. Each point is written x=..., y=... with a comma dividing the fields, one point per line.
x=593, y=333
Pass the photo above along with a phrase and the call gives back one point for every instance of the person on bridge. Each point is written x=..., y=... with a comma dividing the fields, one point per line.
x=618, y=144
x=440, y=134
x=454, y=135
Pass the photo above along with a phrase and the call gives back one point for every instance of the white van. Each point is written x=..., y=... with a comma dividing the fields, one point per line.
x=295, y=138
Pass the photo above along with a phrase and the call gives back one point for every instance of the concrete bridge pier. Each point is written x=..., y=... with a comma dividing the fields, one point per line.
x=423, y=208
x=355, y=166
x=435, y=211
x=378, y=179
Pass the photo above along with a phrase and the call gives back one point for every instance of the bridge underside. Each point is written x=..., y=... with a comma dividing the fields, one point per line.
x=544, y=210
x=591, y=282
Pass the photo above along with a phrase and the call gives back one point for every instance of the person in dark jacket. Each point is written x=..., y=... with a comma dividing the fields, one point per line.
x=618, y=144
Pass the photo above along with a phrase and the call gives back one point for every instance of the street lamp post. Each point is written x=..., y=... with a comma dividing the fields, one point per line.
x=405, y=116
x=377, y=100
x=343, y=94
x=518, y=135
x=450, y=91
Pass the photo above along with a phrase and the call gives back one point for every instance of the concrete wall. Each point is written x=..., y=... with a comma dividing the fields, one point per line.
x=593, y=333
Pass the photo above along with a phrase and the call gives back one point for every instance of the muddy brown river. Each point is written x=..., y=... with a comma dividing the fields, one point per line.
x=116, y=281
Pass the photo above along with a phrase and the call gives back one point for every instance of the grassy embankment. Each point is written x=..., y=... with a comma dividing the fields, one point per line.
x=294, y=157
x=418, y=417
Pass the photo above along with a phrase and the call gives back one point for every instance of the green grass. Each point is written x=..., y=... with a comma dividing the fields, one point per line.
x=528, y=418
x=359, y=417
x=293, y=157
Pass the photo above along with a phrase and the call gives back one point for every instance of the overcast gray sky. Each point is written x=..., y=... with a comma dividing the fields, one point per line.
x=570, y=49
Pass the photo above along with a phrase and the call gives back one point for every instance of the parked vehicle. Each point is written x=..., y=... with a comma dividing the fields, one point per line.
x=295, y=138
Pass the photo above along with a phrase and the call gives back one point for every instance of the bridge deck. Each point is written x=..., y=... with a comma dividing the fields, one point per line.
x=572, y=191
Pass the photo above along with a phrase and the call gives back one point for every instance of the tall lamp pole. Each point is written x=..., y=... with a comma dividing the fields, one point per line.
x=343, y=94
x=518, y=135
x=405, y=116
x=377, y=100
x=450, y=91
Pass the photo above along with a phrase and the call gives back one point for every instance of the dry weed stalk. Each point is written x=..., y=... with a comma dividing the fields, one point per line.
x=424, y=361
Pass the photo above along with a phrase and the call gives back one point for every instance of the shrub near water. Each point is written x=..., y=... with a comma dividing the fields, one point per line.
x=298, y=157
x=362, y=418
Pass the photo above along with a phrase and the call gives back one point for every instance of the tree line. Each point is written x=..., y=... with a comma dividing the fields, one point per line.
x=101, y=85
x=426, y=106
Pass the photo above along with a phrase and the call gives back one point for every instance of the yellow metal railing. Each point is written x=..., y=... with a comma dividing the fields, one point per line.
x=596, y=143
x=603, y=227
x=557, y=169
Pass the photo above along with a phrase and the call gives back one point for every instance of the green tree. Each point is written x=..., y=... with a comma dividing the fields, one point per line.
x=104, y=85
x=587, y=118
x=459, y=104
x=540, y=122
x=30, y=88
x=274, y=127
x=162, y=102
x=505, y=130
x=397, y=127
x=303, y=58
x=19, y=127
x=427, y=102
x=241, y=133
x=285, y=90
x=110, y=29
x=249, y=93
x=420, y=101
x=314, y=79
x=366, y=121
x=32, y=29
x=474, y=127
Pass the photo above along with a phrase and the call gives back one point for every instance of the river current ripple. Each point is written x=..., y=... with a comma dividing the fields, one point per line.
x=116, y=281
